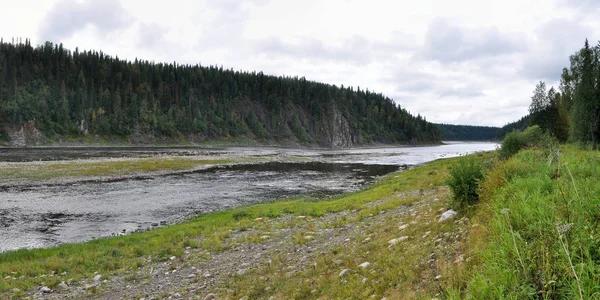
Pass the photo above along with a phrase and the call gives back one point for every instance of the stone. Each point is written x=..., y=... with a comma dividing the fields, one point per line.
x=397, y=240
x=16, y=290
x=438, y=277
x=88, y=286
x=264, y=237
x=241, y=272
x=191, y=276
x=301, y=217
x=172, y=257
x=63, y=286
x=345, y=272
x=154, y=224
x=309, y=237
x=98, y=277
x=45, y=290
x=210, y=296
x=448, y=215
x=177, y=295
x=259, y=219
x=365, y=265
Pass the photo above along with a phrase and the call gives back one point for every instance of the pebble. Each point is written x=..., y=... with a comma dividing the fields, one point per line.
x=172, y=257
x=403, y=226
x=98, y=277
x=365, y=265
x=309, y=237
x=301, y=217
x=87, y=286
x=397, y=240
x=438, y=277
x=191, y=276
x=241, y=272
x=210, y=296
x=345, y=272
x=63, y=286
x=259, y=219
x=448, y=215
x=154, y=224
x=45, y=290
x=177, y=295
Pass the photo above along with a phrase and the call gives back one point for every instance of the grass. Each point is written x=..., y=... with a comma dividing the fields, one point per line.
x=398, y=270
x=539, y=233
x=52, y=170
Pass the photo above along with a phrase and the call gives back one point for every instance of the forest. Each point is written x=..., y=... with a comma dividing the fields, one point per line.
x=65, y=93
x=449, y=132
x=571, y=114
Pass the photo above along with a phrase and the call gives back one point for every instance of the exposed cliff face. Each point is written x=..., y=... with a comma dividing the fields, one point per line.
x=25, y=135
x=336, y=132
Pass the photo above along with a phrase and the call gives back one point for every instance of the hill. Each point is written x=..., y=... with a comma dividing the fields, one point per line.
x=450, y=132
x=48, y=93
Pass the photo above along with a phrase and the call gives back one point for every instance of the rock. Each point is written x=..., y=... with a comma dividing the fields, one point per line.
x=163, y=222
x=438, y=277
x=365, y=265
x=448, y=215
x=309, y=237
x=154, y=224
x=397, y=240
x=259, y=219
x=345, y=272
x=45, y=290
x=191, y=276
x=367, y=240
x=63, y=286
x=172, y=257
x=177, y=295
x=98, y=277
x=210, y=296
x=337, y=262
x=16, y=290
x=264, y=237
x=301, y=217
x=241, y=272
x=347, y=240
x=63, y=273
x=88, y=286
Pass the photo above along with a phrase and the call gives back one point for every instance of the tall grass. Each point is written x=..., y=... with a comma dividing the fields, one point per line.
x=542, y=220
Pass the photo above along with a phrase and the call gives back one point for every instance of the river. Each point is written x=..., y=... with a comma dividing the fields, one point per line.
x=48, y=215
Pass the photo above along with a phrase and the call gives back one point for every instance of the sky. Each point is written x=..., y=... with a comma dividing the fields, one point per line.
x=472, y=62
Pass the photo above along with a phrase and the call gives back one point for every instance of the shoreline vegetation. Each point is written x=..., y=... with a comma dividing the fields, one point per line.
x=532, y=233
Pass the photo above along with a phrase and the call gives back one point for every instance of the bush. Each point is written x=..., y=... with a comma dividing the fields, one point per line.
x=516, y=140
x=240, y=214
x=464, y=180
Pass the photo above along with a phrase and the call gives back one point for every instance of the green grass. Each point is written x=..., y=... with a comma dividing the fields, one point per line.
x=539, y=233
x=51, y=170
x=120, y=255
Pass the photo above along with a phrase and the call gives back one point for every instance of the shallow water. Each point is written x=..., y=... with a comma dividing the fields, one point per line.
x=51, y=215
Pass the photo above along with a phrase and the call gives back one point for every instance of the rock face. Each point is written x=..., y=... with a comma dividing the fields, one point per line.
x=24, y=135
x=336, y=131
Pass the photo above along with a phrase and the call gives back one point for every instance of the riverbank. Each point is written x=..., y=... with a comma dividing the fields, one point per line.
x=390, y=229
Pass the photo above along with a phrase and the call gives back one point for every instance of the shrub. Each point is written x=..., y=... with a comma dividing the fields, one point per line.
x=240, y=214
x=464, y=180
x=516, y=140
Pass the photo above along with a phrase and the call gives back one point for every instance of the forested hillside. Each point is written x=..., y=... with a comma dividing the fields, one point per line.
x=51, y=92
x=450, y=132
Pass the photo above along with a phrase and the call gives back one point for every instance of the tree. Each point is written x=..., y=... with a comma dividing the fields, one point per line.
x=585, y=109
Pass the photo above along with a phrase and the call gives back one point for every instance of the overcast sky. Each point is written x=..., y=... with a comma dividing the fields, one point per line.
x=461, y=61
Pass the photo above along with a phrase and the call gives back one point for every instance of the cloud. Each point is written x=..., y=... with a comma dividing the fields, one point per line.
x=448, y=43
x=67, y=17
x=555, y=41
x=460, y=92
x=151, y=35
x=355, y=49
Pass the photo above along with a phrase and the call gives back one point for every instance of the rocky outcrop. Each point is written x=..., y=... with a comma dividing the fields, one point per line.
x=25, y=135
x=336, y=132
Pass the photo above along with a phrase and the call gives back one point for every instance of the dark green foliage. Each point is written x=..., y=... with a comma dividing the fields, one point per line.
x=450, y=132
x=517, y=140
x=78, y=93
x=519, y=125
x=464, y=180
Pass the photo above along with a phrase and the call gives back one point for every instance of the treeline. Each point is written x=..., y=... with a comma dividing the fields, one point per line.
x=449, y=132
x=73, y=93
x=573, y=113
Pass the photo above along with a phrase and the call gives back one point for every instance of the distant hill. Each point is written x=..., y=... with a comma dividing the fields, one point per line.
x=450, y=132
x=48, y=93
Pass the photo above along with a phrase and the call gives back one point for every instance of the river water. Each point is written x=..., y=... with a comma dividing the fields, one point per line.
x=50, y=215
